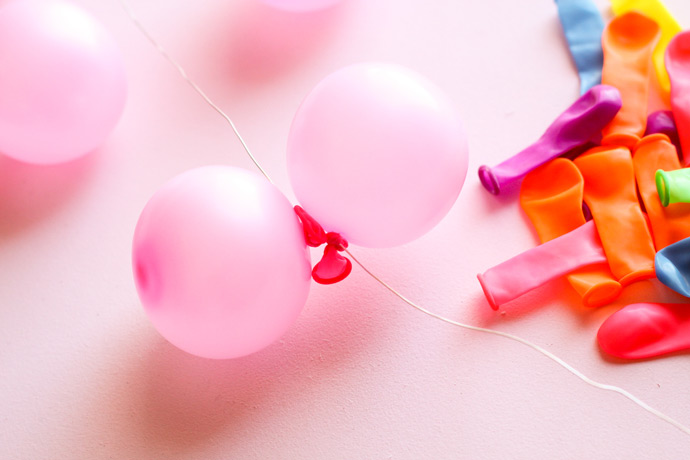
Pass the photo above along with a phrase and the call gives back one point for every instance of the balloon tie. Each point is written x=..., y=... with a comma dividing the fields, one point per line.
x=332, y=267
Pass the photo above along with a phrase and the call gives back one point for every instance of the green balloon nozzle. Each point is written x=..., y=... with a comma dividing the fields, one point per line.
x=673, y=186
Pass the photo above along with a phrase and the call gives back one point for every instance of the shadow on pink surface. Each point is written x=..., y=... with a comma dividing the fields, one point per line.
x=30, y=193
x=170, y=401
x=261, y=43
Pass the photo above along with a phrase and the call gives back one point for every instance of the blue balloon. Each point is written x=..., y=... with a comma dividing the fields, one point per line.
x=672, y=265
x=583, y=25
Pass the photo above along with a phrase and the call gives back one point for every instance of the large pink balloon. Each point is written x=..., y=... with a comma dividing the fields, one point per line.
x=220, y=262
x=377, y=153
x=62, y=81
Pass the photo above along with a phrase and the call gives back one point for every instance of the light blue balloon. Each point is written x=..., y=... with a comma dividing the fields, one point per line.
x=583, y=25
x=672, y=265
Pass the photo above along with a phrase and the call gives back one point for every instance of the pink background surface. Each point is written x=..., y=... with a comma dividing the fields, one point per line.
x=83, y=374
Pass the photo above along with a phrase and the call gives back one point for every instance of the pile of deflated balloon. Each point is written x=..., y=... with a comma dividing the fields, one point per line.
x=625, y=165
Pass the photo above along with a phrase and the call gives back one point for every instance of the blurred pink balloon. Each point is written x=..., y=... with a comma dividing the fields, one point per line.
x=62, y=83
x=220, y=262
x=377, y=153
x=301, y=5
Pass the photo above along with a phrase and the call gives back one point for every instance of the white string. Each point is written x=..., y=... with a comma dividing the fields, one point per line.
x=533, y=346
x=506, y=335
x=186, y=78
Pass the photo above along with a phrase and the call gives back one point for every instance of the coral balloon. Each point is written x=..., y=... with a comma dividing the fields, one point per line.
x=301, y=5
x=220, y=262
x=377, y=153
x=62, y=84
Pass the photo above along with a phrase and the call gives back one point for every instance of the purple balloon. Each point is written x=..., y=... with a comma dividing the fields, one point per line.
x=581, y=122
x=662, y=121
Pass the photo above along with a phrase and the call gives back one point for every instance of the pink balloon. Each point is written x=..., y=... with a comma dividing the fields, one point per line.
x=62, y=81
x=220, y=262
x=377, y=153
x=301, y=5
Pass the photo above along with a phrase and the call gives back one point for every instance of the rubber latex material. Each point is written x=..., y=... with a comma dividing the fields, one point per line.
x=628, y=42
x=529, y=270
x=551, y=196
x=673, y=186
x=669, y=224
x=63, y=83
x=678, y=66
x=314, y=234
x=582, y=27
x=377, y=153
x=579, y=150
x=219, y=262
x=662, y=122
x=655, y=10
x=672, y=266
x=582, y=121
x=332, y=268
x=645, y=330
x=611, y=196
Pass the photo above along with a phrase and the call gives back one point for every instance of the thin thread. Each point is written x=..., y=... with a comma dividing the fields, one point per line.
x=186, y=78
x=533, y=346
x=506, y=335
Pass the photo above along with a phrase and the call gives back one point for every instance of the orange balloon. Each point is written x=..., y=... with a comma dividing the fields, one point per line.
x=628, y=42
x=611, y=195
x=551, y=196
x=669, y=224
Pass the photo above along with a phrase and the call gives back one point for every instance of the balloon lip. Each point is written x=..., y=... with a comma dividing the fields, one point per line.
x=487, y=293
x=637, y=275
x=650, y=139
x=628, y=140
x=637, y=30
x=661, y=179
x=570, y=179
x=602, y=294
x=489, y=180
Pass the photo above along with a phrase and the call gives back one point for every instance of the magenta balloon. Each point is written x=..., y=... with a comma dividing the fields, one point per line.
x=62, y=81
x=301, y=5
x=377, y=153
x=220, y=262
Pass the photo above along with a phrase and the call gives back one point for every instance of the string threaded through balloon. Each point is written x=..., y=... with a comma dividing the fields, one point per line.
x=412, y=304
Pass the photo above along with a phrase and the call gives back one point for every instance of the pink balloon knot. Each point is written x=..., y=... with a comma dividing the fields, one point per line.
x=332, y=267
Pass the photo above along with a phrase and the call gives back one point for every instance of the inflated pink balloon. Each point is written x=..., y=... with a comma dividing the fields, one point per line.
x=62, y=83
x=301, y=5
x=377, y=153
x=220, y=262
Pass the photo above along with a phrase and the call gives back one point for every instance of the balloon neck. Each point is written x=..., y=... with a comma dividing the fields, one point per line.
x=661, y=179
x=332, y=267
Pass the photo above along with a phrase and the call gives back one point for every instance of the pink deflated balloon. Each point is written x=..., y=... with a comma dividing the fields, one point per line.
x=377, y=153
x=62, y=81
x=220, y=262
